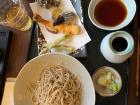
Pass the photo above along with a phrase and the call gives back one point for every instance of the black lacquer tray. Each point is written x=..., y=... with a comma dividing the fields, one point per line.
x=94, y=58
x=4, y=43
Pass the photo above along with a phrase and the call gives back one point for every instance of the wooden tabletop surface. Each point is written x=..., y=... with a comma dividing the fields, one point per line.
x=19, y=47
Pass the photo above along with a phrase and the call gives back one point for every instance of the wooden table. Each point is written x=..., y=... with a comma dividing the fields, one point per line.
x=19, y=47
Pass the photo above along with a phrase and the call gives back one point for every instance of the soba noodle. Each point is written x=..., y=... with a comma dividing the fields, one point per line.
x=56, y=86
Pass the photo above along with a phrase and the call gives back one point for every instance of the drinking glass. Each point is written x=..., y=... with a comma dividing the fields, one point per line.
x=14, y=14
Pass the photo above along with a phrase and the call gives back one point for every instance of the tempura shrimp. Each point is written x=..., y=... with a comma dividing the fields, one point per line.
x=69, y=29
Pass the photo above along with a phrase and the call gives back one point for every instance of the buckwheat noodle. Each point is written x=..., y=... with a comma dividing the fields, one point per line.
x=56, y=86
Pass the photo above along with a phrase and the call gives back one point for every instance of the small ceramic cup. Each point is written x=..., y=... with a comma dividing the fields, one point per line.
x=109, y=51
x=104, y=91
x=131, y=10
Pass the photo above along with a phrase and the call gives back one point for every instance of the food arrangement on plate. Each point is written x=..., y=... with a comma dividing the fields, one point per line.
x=60, y=26
x=54, y=81
x=107, y=81
x=56, y=85
x=62, y=83
x=63, y=24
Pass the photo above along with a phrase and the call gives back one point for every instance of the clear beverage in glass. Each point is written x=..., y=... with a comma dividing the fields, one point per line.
x=14, y=14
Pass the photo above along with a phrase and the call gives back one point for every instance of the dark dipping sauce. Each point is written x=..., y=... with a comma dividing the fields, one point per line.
x=110, y=12
x=119, y=44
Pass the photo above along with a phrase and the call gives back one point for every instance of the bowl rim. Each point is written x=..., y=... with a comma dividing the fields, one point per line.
x=70, y=57
x=112, y=70
x=107, y=27
x=127, y=36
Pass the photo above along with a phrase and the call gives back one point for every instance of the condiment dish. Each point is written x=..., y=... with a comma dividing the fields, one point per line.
x=131, y=10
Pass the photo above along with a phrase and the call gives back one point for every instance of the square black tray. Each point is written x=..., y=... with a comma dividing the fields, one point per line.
x=4, y=45
x=94, y=58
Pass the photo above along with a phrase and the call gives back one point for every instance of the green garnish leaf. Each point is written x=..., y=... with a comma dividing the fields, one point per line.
x=114, y=86
x=49, y=46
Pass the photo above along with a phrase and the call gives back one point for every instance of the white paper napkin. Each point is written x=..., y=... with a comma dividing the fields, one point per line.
x=77, y=41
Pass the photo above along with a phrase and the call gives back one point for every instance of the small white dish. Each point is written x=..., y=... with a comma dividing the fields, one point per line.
x=32, y=70
x=103, y=91
x=131, y=10
x=110, y=53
